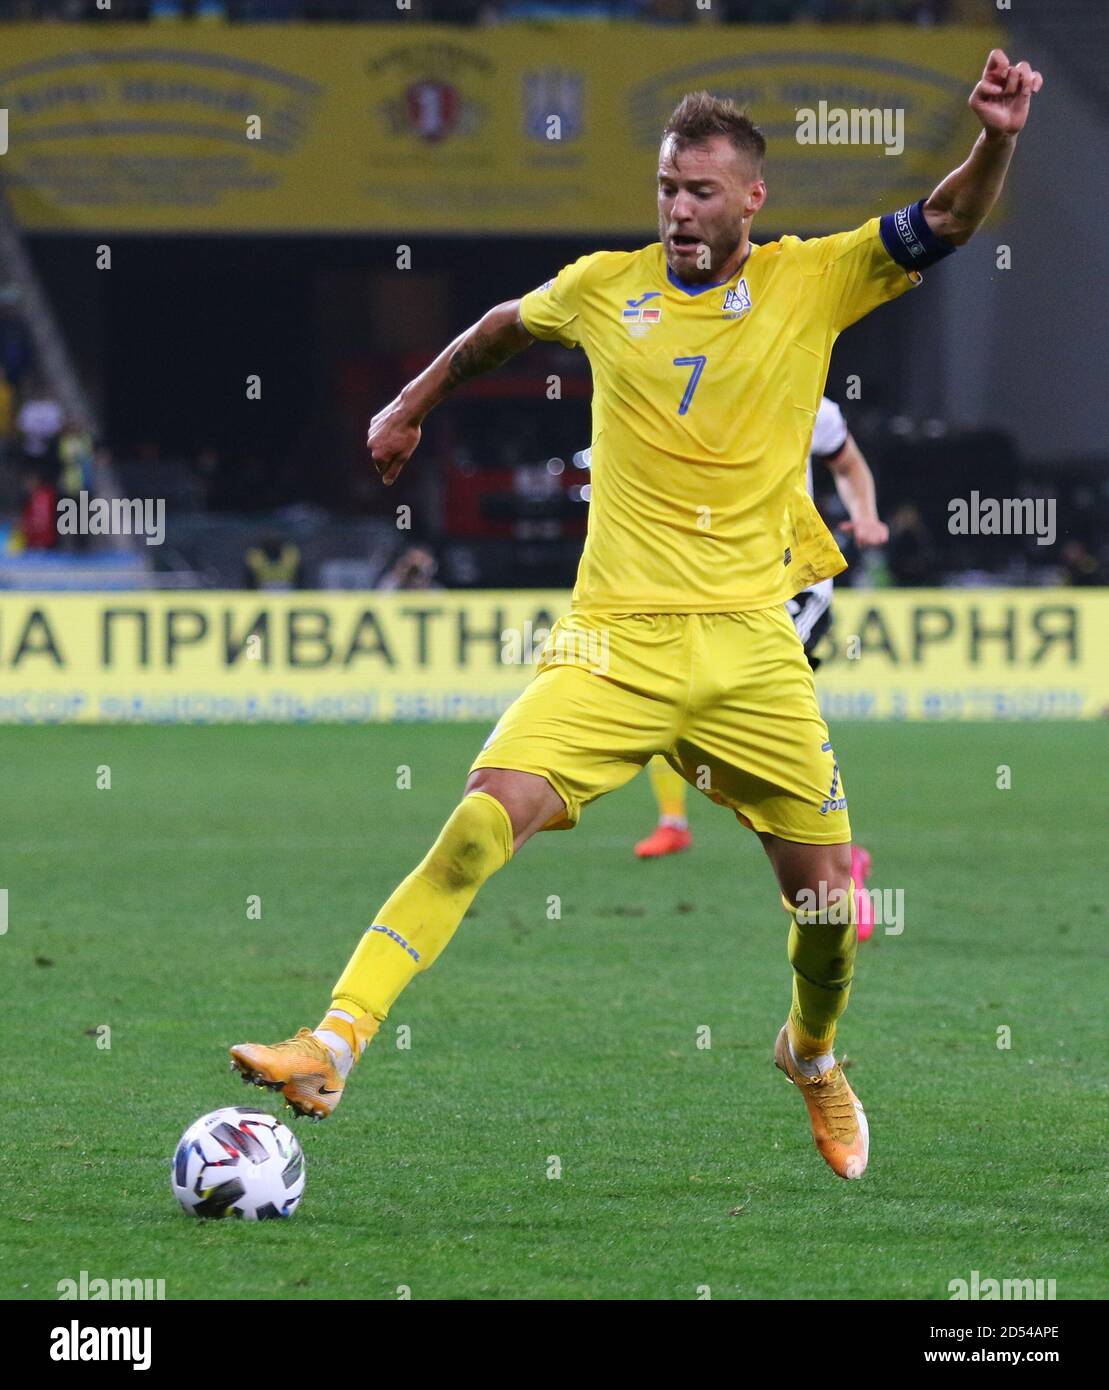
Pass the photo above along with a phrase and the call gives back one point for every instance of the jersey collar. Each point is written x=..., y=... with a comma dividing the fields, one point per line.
x=716, y=285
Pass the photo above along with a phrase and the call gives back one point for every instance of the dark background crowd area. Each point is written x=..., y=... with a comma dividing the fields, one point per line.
x=505, y=11
x=498, y=494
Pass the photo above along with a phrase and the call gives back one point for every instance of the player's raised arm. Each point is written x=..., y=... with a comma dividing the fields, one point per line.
x=395, y=431
x=960, y=204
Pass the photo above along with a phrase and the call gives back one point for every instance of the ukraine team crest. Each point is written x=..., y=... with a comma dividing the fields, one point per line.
x=737, y=302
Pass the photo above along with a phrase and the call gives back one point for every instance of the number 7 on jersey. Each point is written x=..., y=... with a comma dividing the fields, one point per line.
x=698, y=365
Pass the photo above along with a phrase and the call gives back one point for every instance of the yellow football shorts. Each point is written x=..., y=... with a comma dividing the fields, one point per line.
x=727, y=698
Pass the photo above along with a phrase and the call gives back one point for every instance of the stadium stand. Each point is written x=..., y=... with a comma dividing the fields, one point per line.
x=507, y=505
x=499, y=11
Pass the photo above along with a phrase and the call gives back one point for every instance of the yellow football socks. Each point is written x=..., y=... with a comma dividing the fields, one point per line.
x=420, y=917
x=822, y=952
x=669, y=789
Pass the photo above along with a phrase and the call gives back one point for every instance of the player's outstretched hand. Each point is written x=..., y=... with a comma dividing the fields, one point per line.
x=392, y=439
x=1003, y=94
x=868, y=531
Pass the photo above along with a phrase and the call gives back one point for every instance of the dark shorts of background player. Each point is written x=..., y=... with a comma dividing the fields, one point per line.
x=820, y=625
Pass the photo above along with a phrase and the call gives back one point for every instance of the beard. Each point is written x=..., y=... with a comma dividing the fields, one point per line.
x=722, y=240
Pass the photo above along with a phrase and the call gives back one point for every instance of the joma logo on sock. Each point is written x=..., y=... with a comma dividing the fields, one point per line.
x=988, y=1289
x=396, y=936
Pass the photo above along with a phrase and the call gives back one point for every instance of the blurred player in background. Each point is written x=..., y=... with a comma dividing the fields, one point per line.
x=273, y=565
x=415, y=568
x=811, y=611
x=709, y=355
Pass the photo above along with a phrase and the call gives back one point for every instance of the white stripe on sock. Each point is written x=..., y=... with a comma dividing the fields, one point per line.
x=339, y=1049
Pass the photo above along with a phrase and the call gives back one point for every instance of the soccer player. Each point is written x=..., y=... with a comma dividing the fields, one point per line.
x=834, y=445
x=709, y=355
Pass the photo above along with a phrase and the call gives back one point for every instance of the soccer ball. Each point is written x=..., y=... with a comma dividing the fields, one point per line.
x=241, y=1162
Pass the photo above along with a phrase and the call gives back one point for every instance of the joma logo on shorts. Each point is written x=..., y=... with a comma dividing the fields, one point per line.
x=832, y=802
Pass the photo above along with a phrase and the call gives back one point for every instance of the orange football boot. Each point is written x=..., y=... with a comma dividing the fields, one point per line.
x=838, y=1121
x=664, y=839
x=302, y=1068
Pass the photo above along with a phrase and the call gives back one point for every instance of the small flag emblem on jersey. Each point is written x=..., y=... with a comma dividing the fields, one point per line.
x=639, y=319
x=737, y=302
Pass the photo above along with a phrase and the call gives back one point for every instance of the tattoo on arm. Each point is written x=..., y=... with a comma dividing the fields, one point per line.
x=480, y=353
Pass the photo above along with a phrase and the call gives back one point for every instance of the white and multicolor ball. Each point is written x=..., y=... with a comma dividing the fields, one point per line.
x=238, y=1162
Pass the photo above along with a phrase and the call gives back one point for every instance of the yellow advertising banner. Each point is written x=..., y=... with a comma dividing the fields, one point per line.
x=966, y=654
x=227, y=657
x=402, y=128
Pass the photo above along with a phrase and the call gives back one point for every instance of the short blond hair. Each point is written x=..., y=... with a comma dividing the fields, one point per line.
x=699, y=116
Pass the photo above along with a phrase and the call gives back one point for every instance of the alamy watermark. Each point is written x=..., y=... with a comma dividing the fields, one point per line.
x=824, y=905
x=77, y=1343
x=559, y=646
x=836, y=125
x=95, y=1290
x=986, y=1290
x=119, y=516
x=1004, y=516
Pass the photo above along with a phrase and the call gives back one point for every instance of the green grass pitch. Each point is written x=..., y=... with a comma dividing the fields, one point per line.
x=681, y=1167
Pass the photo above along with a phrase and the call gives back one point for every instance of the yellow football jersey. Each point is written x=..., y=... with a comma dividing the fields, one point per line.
x=704, y=399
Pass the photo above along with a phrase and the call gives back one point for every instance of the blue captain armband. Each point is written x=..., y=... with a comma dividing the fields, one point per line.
x=908, y=238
